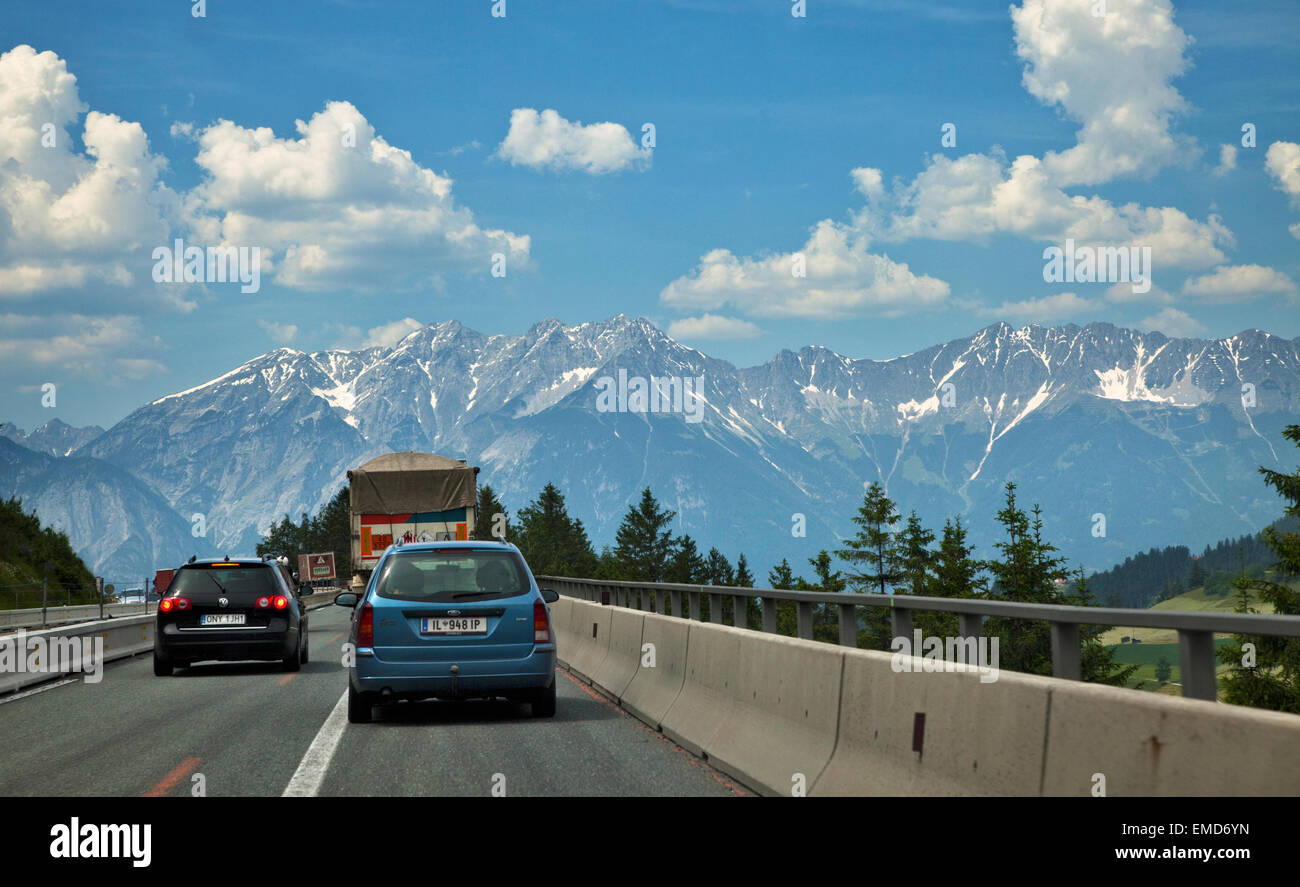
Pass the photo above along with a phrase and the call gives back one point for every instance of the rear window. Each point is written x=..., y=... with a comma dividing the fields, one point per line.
x=253, y=579
x=453, y=575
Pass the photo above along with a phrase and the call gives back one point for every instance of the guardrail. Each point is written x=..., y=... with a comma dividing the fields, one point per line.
x=1195, y=630
x=792, y=716
x=123, y=635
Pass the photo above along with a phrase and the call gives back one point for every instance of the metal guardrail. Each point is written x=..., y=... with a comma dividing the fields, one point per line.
x=1195, y=630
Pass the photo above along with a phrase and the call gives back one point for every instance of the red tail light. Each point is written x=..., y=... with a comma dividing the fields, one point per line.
x=541, y=625
x=266, y=602
x=281, y=602
x=168, y=604
x=366, y=627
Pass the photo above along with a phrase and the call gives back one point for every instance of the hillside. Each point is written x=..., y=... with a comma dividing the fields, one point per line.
x=26, y=548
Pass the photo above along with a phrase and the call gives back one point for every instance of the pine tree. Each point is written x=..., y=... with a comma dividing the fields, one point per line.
x=717, y=569
x=1025, y=573
x=781, y=577
x=644, y=541
x=1096, y=661
x=915, y=558
x=487, y=526
x=1274, y=681
x=686, y=567
x=744, y=579
x=552, y=542
x=873, y=549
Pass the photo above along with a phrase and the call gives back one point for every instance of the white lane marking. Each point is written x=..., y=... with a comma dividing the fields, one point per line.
x=41, y=689
x=311, y=771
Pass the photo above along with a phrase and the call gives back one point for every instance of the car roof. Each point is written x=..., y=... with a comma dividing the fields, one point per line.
x=441, y=546
x=231, y=560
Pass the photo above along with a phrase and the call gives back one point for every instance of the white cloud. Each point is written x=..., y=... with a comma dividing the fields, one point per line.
x=1238, y=283
x=1173, y=323
x=390, y=334
x=102, y=349
x=338, y=207
x=281, y=333
x=842, y=279
x=714, y=327
x=1283, y=163
x=975, y=197
x=72, y=219
x=1113, y=74
x=1047, y=309
x=546, y=140
x=1227, y=160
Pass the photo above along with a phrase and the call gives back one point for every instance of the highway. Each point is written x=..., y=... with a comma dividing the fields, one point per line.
x=252, y=729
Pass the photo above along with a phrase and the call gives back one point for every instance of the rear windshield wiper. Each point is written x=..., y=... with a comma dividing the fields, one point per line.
x=219, y=585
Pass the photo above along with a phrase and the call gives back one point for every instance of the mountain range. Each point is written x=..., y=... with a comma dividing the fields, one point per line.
x=1127, y=439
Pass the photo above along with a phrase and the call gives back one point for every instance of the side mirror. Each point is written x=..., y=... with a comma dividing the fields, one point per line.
x=346, y=599
x=550, y=596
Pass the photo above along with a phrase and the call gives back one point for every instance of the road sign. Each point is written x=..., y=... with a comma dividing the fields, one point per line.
x=314, y=567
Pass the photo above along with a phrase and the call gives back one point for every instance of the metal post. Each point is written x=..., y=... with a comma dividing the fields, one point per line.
x=715, y=608
x=848, y=625
x=1065, y=651
x=972, y=625
x=804, y=619
x=1196, y=654
x=901, y=621
x=740, y=612
x=696, y=612
x=676, y=597
x=45, y=594
x=769, y=615
x=99, y=583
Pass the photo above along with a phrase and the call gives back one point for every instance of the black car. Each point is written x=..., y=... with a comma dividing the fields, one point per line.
x=235, y=609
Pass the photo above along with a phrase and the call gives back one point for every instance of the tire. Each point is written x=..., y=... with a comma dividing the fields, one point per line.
x=305, y=641
x=161, y=667
x=359, y=707
x=544, y=703
x=293, y=662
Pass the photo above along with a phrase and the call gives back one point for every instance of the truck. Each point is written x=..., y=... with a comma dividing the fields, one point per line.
x=399, y=498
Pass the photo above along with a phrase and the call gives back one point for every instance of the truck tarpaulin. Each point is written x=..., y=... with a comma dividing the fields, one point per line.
x=400, y=483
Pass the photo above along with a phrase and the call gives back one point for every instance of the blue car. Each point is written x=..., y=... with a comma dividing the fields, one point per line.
x=451, y=620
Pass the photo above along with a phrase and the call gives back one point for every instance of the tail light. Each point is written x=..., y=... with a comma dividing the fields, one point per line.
x=168, y=604
x=266, y=602
x=366, y=627
x=541, y=625
x=281, y=602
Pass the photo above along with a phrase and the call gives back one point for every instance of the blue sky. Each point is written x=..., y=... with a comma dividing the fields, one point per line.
x=774, y=136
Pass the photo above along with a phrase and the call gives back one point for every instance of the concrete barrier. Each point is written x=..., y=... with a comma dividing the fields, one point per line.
x=561, y=614
x=588, y=652
x=764, y=709
x=710, y=688
x=122, y=637
x=975, y=738
x=652, y=691
x=613, y=674
x=780, y=730
x=1148, y=744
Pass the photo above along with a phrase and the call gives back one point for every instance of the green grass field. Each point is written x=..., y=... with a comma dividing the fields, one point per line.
x=1147, y=656
x=1194, y=600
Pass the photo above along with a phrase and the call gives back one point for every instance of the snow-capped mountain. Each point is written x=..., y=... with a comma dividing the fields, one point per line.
x=1162, y=437
x=55, y=437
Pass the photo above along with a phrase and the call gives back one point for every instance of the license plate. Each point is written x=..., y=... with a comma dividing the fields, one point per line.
x=221, y=619
x=454, y=625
